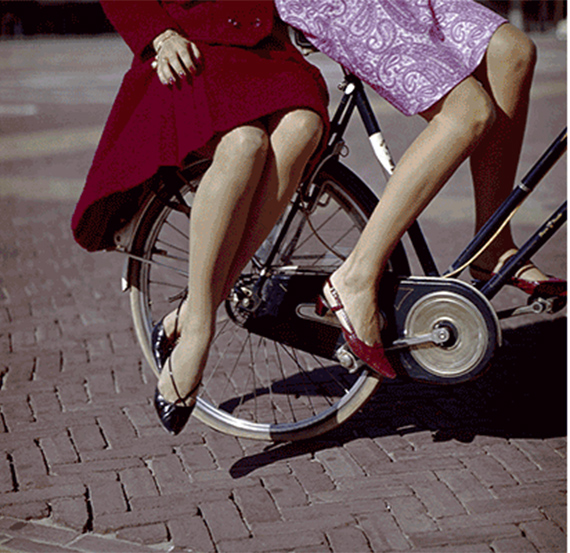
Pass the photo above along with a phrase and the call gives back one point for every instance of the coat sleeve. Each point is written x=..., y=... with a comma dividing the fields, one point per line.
x=139, y=22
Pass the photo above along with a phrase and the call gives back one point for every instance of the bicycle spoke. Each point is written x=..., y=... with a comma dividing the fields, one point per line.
x=269, y=388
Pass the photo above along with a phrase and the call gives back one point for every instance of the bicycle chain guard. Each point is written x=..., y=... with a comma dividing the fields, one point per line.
x=414, y=308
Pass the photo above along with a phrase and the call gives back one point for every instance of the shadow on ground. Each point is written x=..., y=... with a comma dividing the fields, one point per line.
x=522, y=395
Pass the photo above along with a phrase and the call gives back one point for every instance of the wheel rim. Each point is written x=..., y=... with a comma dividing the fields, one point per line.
x=252, y=386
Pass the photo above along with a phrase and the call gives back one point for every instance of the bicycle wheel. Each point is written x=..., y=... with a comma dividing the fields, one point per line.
x=255, y=386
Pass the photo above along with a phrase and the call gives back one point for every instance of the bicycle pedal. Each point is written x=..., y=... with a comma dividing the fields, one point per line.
x=312, y=312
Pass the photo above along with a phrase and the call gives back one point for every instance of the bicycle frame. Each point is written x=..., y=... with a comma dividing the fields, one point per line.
x=354, y=96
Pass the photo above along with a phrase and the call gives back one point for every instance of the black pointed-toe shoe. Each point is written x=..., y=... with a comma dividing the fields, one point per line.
x=174, y=416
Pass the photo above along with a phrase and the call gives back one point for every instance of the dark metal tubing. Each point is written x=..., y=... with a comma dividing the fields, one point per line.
x=415, y=233
x=529, y=248
x=517, y=196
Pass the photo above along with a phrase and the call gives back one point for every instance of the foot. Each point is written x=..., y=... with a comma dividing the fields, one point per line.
x=528, y=278
x=371, y=353
x=186, y=365
x=360, y=308
x=175, y=414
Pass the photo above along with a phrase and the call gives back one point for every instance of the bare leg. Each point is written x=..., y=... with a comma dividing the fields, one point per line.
x=220, y=253
x=506, y=74
x=294, y=138
x=456, y=124
x=219, y=216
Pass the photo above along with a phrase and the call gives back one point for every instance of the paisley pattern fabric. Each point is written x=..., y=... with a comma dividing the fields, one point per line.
x=412, y=52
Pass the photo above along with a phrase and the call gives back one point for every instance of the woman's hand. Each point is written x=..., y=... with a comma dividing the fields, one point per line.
x=176, y=57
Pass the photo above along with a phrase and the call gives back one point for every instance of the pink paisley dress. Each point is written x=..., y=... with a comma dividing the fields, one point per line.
x=412, y=52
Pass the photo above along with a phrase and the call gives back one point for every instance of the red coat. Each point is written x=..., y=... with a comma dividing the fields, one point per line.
x=250, y=70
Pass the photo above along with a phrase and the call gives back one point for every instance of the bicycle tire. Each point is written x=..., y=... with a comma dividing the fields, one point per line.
x=254, y=387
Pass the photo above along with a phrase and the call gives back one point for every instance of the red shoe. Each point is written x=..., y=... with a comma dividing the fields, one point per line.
x=374, y=356
x=549, y=287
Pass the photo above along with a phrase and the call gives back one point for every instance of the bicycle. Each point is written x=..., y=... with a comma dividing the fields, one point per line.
x=279, y=372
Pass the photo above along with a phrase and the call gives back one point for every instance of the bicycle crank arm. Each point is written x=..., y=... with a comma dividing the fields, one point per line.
x=535, y=307
x=438, y=336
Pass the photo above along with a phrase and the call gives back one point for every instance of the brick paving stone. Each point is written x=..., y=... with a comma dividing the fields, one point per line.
x=348, y=538
x=37, y=532
x=458, y=548
x=311, y=475
x=225, y=449
x=553, y=489
x=89, y=543
x=106, y=494
x=106, y=465
x=438, y=499
x=171, y=505
x=503, y=516
x=489, y=471
x=138, y=482
x=256, y=505
x=557, y=514
x=339, y=464
x=372, y=487
x=71, y=512
x=23, y=545
x=131, y=448
x=383, y=532
x=158, y=513
x=411, y=514
x=464, y=485
x=514, y=460
x=58, y=449
x=417, y=465
x=169, y=474
x=143, y=420
x=461, y=536
x=541, y=453
x=545, y=535
x=191, y=532
x=275, y=543
x=27, y=510
x=72, y=395
x=322, y=522
x=87, y=437
x=6, y=481
x=510, y=504
x=285, y=490
x=30, y=467
x=147, y=534
x=223, y=520
x=368, y=455
x=512, y=545
x=44, y=404
x=320, y=511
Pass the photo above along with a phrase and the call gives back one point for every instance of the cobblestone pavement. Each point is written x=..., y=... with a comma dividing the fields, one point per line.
x=84, y=465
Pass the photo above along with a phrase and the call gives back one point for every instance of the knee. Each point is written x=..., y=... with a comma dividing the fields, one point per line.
x=247, y=143
x=514, y=50
x=306, y=126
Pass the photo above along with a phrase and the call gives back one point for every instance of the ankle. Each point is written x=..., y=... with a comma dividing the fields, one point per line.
x=354, y=282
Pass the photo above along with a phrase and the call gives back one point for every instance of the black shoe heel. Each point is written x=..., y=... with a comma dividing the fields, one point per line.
x=162, y=344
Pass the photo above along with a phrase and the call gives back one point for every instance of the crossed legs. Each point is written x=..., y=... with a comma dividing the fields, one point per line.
x=255, y=170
